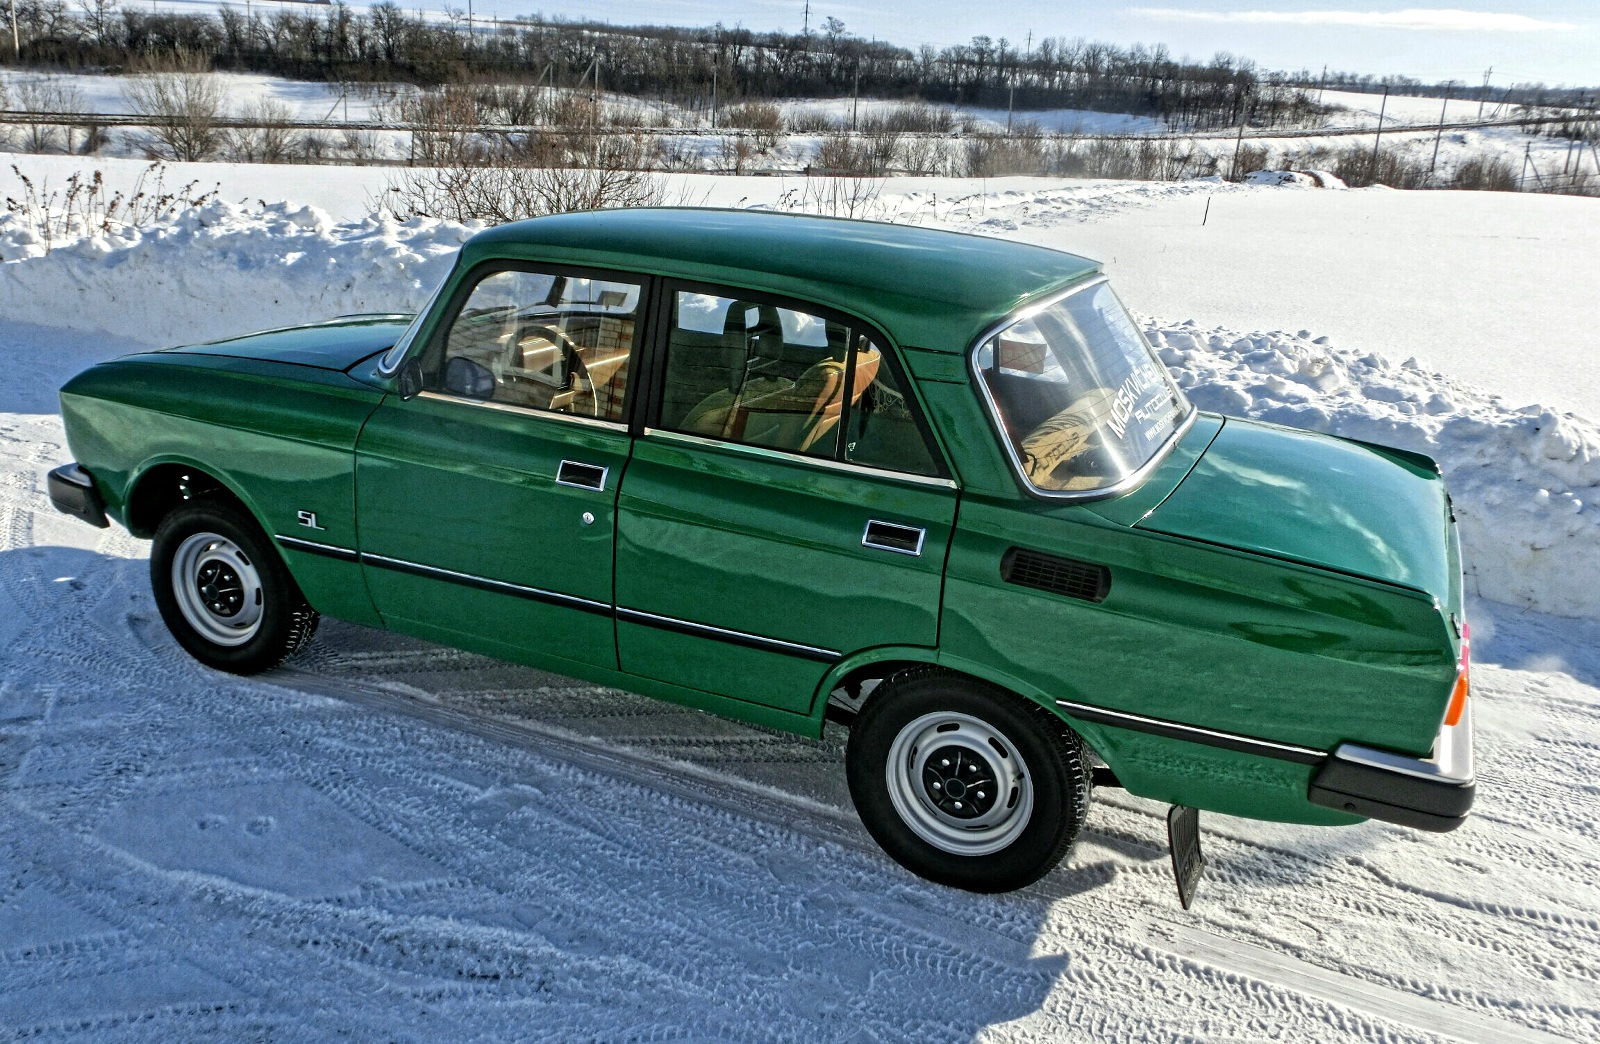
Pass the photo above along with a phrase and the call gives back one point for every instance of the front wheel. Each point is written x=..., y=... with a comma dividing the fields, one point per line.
x=224, y=592
x=965, y=784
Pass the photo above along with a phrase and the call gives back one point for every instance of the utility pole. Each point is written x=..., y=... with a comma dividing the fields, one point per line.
x=855, y=96
x=1442, y=109
x=805, y=29
x=1484, y=93
x=16, y=41
x=1322, y=83
x=713, y=97
x=1237, y=145
x=1011, y=105
x=1383, y=108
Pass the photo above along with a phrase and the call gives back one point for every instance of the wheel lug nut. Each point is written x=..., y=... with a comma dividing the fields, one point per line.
x=958, y=804
x=945, y=763
x=936, y=786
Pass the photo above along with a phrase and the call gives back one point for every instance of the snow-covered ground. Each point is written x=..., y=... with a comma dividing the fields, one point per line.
x=389, y=839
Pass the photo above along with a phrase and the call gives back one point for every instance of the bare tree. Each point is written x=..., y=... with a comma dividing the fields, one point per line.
x=181, y=99
x=44, y=94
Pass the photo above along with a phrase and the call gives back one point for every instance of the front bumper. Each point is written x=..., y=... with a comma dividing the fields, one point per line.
x=72, y=492
x=1429, y=794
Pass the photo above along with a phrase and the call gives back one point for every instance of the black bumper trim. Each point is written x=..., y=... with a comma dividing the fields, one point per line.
x=72, y=493
x=1438, y=805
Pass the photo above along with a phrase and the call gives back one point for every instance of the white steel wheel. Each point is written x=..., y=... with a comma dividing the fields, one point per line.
x=959, y=783
x=217, y=588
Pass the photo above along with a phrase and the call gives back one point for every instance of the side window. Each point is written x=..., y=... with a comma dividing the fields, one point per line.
x=540, y=341
x=785, y=379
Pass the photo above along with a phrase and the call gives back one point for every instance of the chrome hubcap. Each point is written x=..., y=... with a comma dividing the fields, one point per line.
x=959, y=784
x=217, y=588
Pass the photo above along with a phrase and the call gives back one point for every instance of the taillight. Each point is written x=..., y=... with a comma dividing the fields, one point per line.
x=1458, y=698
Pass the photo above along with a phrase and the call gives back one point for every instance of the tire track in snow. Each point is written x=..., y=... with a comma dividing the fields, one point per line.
x=834, y=826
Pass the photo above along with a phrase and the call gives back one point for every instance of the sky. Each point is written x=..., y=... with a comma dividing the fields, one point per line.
x=1554, y=41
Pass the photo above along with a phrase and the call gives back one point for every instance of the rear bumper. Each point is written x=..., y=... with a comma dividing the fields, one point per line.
x=72, y=492
x=1429, y=794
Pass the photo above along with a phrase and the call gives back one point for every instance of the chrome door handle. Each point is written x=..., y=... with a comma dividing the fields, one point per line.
x=888, y=536
x=579, y=475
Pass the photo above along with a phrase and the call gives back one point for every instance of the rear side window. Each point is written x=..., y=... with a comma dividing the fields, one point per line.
x=785, y=379
x=540, y=341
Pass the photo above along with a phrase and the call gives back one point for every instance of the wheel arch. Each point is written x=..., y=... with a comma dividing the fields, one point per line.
x=161, y=484
x=880, y=663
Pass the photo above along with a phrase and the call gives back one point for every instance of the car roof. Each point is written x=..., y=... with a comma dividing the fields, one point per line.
x=928, y=288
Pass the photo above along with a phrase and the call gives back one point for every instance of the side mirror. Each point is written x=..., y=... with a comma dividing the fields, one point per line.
x=410, y=379
x=467, y=379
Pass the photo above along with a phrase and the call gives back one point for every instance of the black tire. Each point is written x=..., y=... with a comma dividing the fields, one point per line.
x=923, y=703
x=244, y=567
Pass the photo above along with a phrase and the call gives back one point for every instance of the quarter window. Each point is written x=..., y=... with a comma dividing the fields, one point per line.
x=541, y=341
x=755, y=373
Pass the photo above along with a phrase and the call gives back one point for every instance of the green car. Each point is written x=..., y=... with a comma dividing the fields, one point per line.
x=932, y=486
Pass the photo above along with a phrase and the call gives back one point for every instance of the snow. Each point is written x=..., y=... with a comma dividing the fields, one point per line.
x=389, y=839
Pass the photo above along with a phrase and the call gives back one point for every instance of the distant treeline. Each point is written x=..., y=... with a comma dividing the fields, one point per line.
x=1520, y=94
x=385, y=42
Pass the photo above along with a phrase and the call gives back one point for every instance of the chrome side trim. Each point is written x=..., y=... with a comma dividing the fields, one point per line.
x=796, y=458
x=1117, y=488
x=311, y=547
x=526, y=411
x=1451, y=761
x=483, y=583
x=723, y=634
x=1194, y=734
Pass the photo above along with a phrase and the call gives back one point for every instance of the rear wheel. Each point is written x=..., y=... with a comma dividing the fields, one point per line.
x=966, y=784
x=223, y=590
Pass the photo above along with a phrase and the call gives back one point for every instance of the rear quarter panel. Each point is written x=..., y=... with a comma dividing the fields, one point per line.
x=280, y=436
x=1203, y=636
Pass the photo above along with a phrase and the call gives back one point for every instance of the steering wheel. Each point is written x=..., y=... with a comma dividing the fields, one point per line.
x=571, y=356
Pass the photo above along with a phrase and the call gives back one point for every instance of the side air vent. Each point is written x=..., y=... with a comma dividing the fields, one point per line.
x=1062, y=576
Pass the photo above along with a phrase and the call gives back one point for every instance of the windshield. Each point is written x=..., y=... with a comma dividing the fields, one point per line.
x=1080, y=396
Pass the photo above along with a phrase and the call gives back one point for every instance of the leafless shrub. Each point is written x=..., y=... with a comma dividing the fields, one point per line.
x=990, y=155
x=910, y=118
x=763, y=118
x=270, y=140
x=735, y=150
x=923, y=154
x=497, y=191
x=1247, y=158
x=84, y=207
x=359, y=146
x=863, y=155
x=850, y=196
x=181, y=99
x=440, y=121
x=1486, y=173
x=1142, y=160
x=811, y=121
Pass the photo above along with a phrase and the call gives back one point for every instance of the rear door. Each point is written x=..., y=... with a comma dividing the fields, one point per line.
x=486, y=504
x=785, y=508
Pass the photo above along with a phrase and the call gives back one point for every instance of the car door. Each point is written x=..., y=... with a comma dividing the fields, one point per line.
x=487, y=503
x=784, y=508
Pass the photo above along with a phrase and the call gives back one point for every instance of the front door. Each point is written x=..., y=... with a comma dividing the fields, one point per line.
x=784, y=510
x=487, y=504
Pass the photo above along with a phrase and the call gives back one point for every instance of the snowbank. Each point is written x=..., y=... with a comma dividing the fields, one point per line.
x=220, y=269
x=1526, y=482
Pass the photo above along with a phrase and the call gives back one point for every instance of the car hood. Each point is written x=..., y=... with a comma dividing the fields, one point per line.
x=337, y=344
x=1338, y=504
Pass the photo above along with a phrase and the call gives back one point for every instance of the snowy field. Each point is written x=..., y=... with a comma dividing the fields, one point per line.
x=391, y=840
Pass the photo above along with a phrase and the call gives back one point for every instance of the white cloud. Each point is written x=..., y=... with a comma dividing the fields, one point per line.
x=1423, y=19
